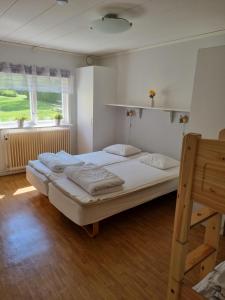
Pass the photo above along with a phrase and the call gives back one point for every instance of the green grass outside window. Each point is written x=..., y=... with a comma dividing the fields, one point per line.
x=15, y=104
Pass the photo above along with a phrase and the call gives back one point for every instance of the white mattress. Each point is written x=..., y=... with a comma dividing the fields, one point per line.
x=88, y=214
x=39, y=175
x=39, y=181
x=136, y=175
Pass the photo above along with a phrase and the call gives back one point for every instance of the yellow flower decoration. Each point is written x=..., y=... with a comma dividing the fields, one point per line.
x=152, y=93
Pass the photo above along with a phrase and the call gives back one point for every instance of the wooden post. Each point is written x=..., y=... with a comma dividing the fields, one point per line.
x=222, y=138
x=212, y=236
x=182, y=216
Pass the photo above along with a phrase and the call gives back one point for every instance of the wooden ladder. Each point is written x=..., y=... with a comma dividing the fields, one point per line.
x=205, y=255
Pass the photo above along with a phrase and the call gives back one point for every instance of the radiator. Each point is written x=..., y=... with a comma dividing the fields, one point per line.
x=26, y=145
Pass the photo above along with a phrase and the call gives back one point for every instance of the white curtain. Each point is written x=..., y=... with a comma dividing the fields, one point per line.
x=43, y=79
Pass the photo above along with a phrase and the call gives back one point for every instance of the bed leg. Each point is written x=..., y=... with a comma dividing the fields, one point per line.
x=92, y=229
x=223, y=227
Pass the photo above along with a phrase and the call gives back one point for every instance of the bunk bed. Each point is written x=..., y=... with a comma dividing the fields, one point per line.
x=202, y=180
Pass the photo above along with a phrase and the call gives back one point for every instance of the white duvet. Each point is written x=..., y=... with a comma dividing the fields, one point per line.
x=135, y=174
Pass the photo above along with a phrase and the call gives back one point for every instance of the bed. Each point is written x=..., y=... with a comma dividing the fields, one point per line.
x=40, y=176
x=142, y=183
x=202, y=181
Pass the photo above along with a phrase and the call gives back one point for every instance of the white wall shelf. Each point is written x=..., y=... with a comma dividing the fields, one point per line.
x=171, y=110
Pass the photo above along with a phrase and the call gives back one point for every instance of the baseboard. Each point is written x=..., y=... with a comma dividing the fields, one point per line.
x=11, y=172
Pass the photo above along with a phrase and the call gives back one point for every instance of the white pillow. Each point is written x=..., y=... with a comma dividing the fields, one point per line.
x=123, y=150
x=159, y=161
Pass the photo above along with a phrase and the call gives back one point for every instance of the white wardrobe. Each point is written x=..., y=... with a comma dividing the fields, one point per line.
x=95, y=121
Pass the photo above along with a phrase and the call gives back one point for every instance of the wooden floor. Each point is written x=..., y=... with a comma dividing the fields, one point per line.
x=43, y=255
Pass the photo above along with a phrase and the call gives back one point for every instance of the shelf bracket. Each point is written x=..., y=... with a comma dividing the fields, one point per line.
x=172, y=116
x=140, y=112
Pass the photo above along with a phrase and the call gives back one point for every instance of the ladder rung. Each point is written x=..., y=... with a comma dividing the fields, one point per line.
x=197, y=256
x=202, y=215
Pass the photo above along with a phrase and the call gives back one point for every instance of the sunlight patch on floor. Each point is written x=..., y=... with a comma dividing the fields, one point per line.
x=24, y=190
x=25, y=237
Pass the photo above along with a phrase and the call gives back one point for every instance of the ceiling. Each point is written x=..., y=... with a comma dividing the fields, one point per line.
x=44, y=23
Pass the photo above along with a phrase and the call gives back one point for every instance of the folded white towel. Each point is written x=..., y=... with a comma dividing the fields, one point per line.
x=59, y=161
x=94, y=179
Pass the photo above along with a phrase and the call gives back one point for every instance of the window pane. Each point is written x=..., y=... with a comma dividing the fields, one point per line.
x=13, y=105
x=48, y=104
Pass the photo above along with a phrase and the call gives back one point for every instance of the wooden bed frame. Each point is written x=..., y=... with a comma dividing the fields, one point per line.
x=202, y=180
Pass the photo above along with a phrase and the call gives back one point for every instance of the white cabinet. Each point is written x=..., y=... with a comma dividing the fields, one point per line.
x=95, y=122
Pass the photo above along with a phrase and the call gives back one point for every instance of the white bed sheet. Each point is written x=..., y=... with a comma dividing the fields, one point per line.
x=136, y=175
x=102, y=158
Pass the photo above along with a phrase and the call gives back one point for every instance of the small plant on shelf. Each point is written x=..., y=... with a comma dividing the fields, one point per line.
x=20, y=121
x=58, y=117
x=151, y=95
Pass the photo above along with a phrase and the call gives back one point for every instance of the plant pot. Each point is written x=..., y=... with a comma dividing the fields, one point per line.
x=152, y=102
x=57, y=122
x=20, y=123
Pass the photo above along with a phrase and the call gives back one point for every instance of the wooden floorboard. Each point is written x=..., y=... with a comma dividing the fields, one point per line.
x=43, y=255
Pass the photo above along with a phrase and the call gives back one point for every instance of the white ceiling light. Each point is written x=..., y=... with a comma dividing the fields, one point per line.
x=111, y=23
x=62, y=2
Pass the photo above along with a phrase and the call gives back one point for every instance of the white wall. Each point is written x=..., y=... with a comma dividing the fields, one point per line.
x=43, y=57
x=208, y=102
x=32, y=55
x=208, y=105
x=170, y=71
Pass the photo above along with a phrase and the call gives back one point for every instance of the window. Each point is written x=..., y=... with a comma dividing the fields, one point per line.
x=33, y=93
x=35, y=106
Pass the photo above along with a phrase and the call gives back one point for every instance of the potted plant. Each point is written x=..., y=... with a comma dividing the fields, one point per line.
x=20, y=121
x=152, y=94
x=58, y=118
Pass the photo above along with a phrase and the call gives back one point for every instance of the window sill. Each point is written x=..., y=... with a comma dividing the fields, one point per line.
x=29, y=127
